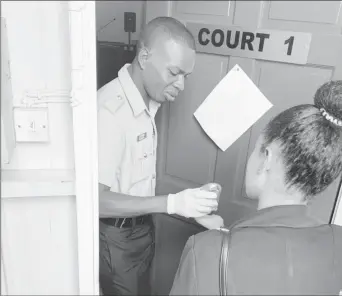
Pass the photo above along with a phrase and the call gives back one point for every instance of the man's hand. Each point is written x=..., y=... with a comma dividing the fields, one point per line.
x=192, y=203
x=210, y=221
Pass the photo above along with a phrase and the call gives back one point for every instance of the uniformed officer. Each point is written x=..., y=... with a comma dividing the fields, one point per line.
x=281, y=249
x=127, y=143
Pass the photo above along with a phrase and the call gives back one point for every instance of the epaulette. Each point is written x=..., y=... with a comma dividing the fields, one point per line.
x=113, y=105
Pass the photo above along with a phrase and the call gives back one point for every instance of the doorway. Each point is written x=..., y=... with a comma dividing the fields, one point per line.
x=174, y=176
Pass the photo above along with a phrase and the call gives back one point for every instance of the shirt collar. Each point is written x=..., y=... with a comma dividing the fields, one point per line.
x=153, y=106
x=295, y=216
x=133, y=95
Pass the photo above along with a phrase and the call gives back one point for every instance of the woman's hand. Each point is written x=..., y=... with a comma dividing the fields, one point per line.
x=210, y=221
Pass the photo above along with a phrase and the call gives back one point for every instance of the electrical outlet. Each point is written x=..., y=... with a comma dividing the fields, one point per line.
x=31, y=124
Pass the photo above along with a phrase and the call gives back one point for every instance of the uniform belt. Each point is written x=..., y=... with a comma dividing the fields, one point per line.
x=126, y=222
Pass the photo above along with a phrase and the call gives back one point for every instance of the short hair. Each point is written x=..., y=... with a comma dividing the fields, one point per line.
x=168, y=27
x=310, y=144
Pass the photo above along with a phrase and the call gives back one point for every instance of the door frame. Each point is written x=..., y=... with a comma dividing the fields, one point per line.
x=3, y=277
x=82, y=34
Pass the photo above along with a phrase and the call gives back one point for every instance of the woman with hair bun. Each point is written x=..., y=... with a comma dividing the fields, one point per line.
x=281, y=249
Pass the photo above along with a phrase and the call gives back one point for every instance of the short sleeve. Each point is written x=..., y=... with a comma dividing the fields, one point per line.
x=111, y=145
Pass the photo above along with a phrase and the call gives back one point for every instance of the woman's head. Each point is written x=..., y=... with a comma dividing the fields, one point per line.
x=300, y=150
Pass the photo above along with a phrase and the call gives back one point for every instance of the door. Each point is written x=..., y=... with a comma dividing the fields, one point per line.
x=187, y=157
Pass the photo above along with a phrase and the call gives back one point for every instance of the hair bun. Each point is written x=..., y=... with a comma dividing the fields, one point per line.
x=328, y=99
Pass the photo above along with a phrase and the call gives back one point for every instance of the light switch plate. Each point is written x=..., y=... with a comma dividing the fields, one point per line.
x=31, y=124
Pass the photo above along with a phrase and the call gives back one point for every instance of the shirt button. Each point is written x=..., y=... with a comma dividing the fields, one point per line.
x=119, y=97
x=153, y=176
x=145, y=155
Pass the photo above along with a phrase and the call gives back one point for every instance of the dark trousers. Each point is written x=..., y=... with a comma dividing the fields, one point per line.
x=125, y=259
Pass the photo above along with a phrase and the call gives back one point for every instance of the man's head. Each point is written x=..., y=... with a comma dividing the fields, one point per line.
x=166, y=56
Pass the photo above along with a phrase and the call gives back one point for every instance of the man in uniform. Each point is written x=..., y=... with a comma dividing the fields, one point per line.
x=127, y=146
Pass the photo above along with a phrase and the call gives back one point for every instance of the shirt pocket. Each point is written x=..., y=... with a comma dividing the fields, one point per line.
x=142, y=154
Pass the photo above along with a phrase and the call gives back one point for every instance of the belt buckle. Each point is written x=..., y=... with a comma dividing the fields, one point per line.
x=123, y=222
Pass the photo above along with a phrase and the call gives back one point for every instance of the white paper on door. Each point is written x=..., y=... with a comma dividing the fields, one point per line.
x=232, y=107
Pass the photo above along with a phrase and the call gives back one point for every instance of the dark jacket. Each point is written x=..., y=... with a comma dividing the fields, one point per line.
x=279, y=250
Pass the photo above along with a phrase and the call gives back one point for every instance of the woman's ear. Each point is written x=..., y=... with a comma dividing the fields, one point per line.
x=267, y=157
x=143, y=56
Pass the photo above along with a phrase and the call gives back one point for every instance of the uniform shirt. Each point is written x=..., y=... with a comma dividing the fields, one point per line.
x=127, y=137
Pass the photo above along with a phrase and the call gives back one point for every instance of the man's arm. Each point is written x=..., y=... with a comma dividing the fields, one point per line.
x=113, y=204
x=188, y=203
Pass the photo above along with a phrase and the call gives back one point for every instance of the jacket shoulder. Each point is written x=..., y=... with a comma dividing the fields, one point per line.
x=206, y=247
x=337, y=230
x=206, y=240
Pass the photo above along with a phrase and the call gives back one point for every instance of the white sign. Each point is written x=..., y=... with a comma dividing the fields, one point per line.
x=272, y=45
x=232, y=107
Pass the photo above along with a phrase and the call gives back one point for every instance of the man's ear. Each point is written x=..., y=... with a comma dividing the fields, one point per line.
x=143, y=56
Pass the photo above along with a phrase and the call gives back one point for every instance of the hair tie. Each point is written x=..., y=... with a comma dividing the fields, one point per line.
x=330, y=118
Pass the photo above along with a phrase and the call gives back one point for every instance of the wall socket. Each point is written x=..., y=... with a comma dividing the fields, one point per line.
x=31, y=124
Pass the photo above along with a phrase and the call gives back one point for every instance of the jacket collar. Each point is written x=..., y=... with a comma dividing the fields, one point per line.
x=293, y=216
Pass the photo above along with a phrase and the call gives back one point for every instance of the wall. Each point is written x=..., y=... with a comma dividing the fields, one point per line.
x=39, y=245
x=107, y=10
x=39, y=61
x=38, y=229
